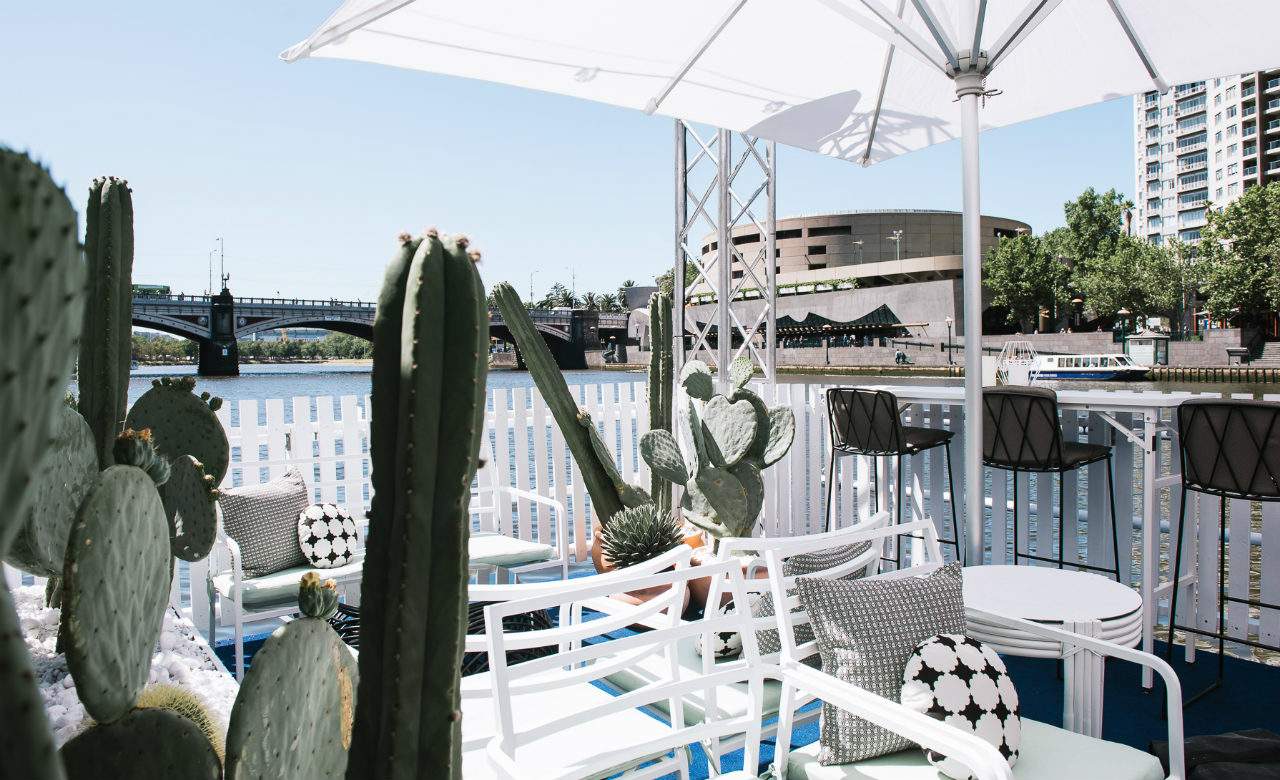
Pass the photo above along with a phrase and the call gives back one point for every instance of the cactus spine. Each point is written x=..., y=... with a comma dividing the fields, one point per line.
x=608, y=490
x=730, y=440
x=105, y=348
x=661, y=382
x=430, y=360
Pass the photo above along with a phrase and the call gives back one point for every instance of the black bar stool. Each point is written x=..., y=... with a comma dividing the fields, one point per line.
x=866, y=422
x=1021, y=432
x=1229, y=449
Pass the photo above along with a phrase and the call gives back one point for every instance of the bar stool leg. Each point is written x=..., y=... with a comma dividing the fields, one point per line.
x=831, y=476
x=1222, y=587
x=1017, y=551
x=1115, y=531
x=955, y=524
x=899, y=494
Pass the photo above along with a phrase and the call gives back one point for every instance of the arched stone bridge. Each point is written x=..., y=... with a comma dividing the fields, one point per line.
x=217, y=322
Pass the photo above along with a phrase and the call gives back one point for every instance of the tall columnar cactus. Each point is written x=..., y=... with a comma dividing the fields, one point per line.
x=108, y=304
x=661, y=384
x=41, y=281
x=608, y=490
x=294, y=714
x=430, y=359
x=729, y=441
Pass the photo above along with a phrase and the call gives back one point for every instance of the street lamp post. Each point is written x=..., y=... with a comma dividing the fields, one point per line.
x=1077, y=307
x=826, y=337
x=1123, y=314
x=950, y=323
x=896, y=238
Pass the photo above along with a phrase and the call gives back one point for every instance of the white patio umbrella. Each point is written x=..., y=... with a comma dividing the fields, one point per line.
x=861, y=80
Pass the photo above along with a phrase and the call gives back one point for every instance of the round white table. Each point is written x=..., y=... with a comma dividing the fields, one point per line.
x=1080, y=602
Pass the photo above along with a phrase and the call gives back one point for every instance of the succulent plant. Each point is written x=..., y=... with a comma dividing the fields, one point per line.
x=638, y=534
x=661, y=384
x=135, y=448
x=115, y=590
x=68, y=470
x=183, y=423
x=108, y=336
x=729, y=441
x=317, y=599
x=608, y=490
x=145, y=744
x=184, y=702
x=430, y=345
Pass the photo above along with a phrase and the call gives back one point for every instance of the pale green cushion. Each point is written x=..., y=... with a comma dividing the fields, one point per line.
x=1047, y=753
x=487, y=548
x=281, y=587
x=730, y=700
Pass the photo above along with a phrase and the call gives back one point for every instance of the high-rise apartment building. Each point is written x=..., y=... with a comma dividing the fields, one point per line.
x=1202, y=144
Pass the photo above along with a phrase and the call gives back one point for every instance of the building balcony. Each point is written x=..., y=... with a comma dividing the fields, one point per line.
x=1273, y=85
x=1252, y=170
x=1198, y=127
x=1248, y=111
x=1273, y=106
x=1248, y=91
x=1191, y=165
x=1187, y=90
x=1192, y=147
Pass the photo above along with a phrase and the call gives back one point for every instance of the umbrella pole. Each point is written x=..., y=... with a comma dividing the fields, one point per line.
x=969, y=90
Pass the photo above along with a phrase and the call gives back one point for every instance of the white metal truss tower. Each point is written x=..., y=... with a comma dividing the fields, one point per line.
x=729, y=181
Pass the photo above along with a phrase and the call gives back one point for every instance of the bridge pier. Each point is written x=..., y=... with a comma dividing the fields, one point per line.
x=219, y=354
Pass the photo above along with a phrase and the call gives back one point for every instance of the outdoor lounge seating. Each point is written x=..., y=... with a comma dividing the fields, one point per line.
x=500, y=545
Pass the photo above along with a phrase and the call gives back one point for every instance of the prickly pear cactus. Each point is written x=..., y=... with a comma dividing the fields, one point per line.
x=108, y=306
x=145, y=744
x=67, y=471
x=183, y=423
x=135, y=448
x=115, y=589
x=191, y=507
x=317, y=599
x=182, y=701
x=430, y=357
x=729, y=441
x=295, y=711
x=41, y=282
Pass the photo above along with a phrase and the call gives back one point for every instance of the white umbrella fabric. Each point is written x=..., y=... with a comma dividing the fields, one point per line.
x=862, y=80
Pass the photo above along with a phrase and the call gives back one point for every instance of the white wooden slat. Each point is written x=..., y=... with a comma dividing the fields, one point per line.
x=1238, y=548
x=935, y=465
x=327, y=435
x=812, y=454
x=627, y=432
x=541, y=463
x=251, y=437
x=560, y=477
x=1022, y=512
x=999, y=515
x=520, y=424
x=352, y=426
x=502, y=455
x=955, y=422
x=277, y=436
x=582, y=527
x=1129, y=500
x=303, y=437
x=1207, y=562
x=1098, y=546
x=1046, y=515
x=1069, y=525
x=1269, y=619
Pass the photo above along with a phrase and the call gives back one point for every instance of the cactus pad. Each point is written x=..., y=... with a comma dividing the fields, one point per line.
x=660, y=450
x=184, y=702
x=183, y=423
x=740, y=372
x=317, y=599
x=782, y=432
x=293, y=715
x=116, y=587
x=26, y=743
x=730, y=429
x=135, y=448
x=67, y=472
x=191, y=506
x=696, y=379
x=41, y=282
x=718, y=497
x=146, y=744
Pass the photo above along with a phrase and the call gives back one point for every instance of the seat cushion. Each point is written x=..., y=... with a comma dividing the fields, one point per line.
x=557, y=753
x=1077, y=453
x=487, y=548
x=1048, y=753
x=919, y=439
x=281, y=588
x=731, y=700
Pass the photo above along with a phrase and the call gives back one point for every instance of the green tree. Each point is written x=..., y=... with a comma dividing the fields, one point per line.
x=666, y=281
x=590, y=301
x=610, y=302
x=1024, y=276
x=1241, y=250
x=627, y=284
x=1135, y=275
x=558, y=296
x=1095, y=223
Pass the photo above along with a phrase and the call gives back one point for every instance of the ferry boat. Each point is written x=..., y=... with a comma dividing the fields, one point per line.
x=1097, y=367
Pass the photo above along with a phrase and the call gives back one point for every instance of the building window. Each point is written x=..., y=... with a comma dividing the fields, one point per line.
x=1217, y=175
x=1233, y=169
x=1217, y=118
x=1217, y=137
x=830, y=230
x=1232, y=111
x=1231, y=92
x=1191, y=234
x=782, y=235
x=1217, y=194
x=1217, y=156
x=1217, y=99
x=818, y=249
x=750, y=238
x=1231, y=150
x=1232, y=131
x=1232, y=189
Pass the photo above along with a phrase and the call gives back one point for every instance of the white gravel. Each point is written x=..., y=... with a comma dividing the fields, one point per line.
x=181, y=658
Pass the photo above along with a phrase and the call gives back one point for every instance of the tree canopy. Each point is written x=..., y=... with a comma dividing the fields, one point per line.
x=1024, y=276
x=1241, y=250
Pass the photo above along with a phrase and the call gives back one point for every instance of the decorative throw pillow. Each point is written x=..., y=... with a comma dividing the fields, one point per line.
x=722, y=644
x=866, y=631
x=963, y=683
x=263, y=519
x=798, y=566
x=327, y=535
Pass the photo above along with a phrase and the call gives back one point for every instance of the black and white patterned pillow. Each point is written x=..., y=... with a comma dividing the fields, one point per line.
x=866, y=631
x=327, y=535
x=263, y=519
x=963, y=683
x=798, y=566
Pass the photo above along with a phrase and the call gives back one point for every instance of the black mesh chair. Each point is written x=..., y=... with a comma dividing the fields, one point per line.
x=866, y=422
x=1021, y=432
x=1229, y=449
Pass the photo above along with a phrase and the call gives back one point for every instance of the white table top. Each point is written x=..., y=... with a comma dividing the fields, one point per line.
x=1045, y=594
x=1106, y=400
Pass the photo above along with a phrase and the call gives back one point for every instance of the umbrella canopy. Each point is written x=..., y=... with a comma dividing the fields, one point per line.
x=862, y=80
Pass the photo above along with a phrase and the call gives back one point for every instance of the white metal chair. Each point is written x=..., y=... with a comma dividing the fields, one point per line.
x=551, y=722
x=500, y=545
x=478, y=724
x=235, y=599
x=1048, y=752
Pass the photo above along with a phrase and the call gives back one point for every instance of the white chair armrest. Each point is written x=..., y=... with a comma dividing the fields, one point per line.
x=1172, y=686
x=223, y=540
x=562, y=541
x=982, y=758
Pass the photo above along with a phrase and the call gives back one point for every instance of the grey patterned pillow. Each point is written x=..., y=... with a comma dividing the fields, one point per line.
x=263, y=519
x=797, y=566
x=866, y=631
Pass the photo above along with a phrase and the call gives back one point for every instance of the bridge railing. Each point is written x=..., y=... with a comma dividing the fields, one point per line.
x=253, y=301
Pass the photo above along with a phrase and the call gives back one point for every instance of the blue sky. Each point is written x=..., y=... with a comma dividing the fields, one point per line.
x=309, y=170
